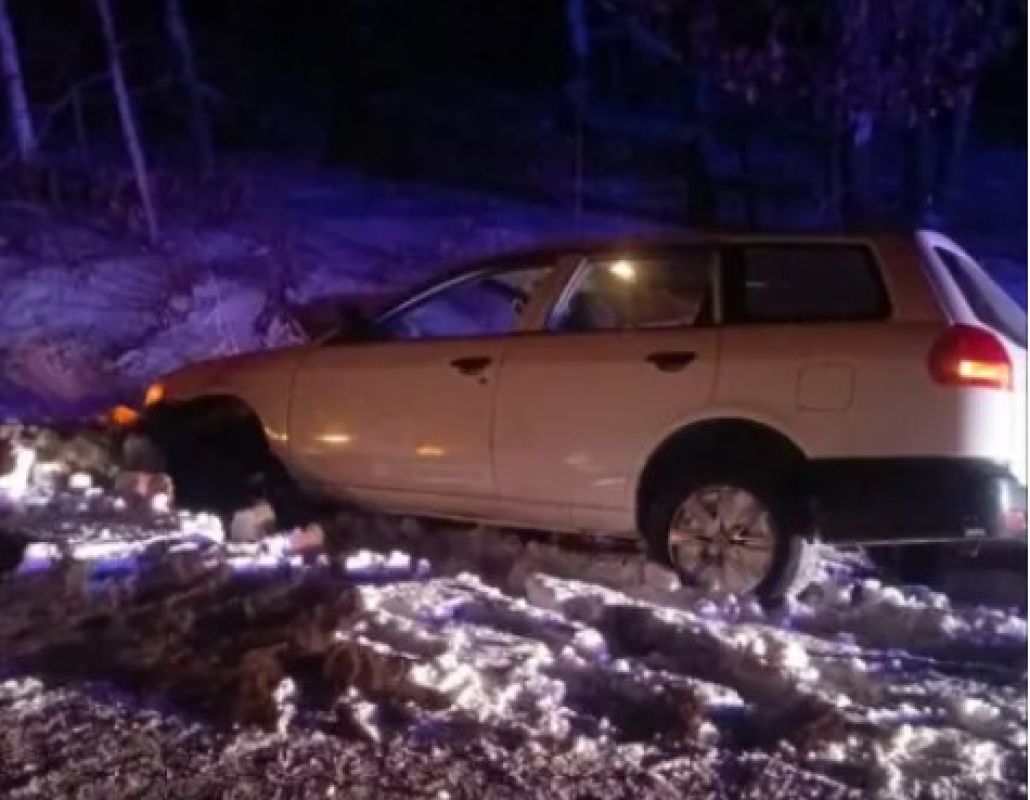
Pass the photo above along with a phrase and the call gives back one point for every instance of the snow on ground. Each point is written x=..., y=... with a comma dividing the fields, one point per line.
x=145, y=654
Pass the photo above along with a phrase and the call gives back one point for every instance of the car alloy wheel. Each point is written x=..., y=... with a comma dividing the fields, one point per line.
x=722, y=539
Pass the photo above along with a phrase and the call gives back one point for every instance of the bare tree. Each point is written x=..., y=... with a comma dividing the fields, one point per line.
x=579, y=45
x=128, y=118
x=997, y=25
x=21, y=116
x=851, y=67
x=200, y=127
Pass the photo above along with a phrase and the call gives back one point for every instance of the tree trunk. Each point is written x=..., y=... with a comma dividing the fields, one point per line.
x=351, y=138
x=702, y=199
x=579, y=44
x=954, y=152
x=200, y=126
x=578, y=89
x=81, y=131
x=21, y=117
x=856, y=157
x=748, y=178
x=128, y=119
x=829, y=203
x=918, y=173
x=961, y=118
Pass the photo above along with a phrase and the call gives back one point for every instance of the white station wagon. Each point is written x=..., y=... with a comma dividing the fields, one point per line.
x=727, y=398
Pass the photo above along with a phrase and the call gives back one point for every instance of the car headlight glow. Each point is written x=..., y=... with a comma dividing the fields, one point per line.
x=155, y=394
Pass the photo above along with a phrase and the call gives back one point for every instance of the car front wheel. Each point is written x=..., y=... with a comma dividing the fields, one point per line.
x=218, y=462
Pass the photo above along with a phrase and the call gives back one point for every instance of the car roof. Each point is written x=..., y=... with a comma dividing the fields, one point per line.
x=650, y=241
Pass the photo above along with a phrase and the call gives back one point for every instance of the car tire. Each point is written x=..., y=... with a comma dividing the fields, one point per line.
x=140, y=454
x=217, y=465
x=788, y=567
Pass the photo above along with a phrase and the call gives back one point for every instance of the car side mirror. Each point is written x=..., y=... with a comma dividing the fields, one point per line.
x=352, y=324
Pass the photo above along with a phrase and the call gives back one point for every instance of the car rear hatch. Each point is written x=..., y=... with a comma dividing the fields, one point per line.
x=986, y=304
x=1019, y=396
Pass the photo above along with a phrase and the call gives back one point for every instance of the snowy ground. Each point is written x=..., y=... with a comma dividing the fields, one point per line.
x=144, y=655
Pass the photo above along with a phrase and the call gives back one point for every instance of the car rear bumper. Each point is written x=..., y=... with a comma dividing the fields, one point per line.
x=916, y=500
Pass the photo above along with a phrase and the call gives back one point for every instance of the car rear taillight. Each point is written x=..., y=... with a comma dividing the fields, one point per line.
x=968, y=356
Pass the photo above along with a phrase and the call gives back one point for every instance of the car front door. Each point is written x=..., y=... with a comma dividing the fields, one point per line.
x=630, y=351
x=404, y=419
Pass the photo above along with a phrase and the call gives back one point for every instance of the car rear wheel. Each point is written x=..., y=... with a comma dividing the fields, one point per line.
x=726, y=530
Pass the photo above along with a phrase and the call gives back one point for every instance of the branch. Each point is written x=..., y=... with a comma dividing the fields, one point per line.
x=654, y=44
x=61, y=104
x=210, y=93
x=66, y=99
x=645, y=38
x=53, y=110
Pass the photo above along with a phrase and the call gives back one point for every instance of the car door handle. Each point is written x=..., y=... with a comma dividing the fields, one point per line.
x=672, y=361
x=471, y=365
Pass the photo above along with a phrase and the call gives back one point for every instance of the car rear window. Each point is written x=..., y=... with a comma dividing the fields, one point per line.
x=805, y=283
x=988, y=301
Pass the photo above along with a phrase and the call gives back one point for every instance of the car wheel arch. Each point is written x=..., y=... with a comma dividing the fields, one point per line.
x=221, y=411
x=718, y=438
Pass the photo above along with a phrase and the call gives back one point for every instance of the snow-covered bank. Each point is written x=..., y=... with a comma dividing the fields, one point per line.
x=87, y=317
x=441, y=662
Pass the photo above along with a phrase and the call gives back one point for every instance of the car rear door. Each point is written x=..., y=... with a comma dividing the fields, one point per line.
x=404, y=420
x=629, y=351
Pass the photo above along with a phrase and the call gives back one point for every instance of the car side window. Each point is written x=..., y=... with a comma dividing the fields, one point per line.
x=805, y=282
x=615, y=293
x=487, y=304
